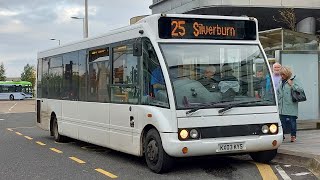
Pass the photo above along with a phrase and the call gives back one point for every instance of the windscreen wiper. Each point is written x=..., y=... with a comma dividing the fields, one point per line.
x=222, y=111
x=206, y=105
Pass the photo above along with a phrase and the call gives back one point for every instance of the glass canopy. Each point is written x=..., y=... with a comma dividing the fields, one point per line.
x=283, y=39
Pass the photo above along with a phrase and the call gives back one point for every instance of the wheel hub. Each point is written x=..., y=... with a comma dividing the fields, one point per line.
x=152, y=151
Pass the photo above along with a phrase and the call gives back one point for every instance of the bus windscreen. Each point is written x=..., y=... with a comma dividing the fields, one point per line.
x=218, y=29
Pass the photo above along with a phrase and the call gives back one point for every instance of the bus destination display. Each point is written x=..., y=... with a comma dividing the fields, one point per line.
x=219, y=29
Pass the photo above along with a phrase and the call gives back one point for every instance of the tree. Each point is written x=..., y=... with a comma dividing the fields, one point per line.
x=29, y=74
x=2, y=73
x=288, y=17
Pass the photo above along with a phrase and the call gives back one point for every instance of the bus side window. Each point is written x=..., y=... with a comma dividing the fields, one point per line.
x=99, y=75
x=70, y=79
x=55, y=77
x=39, y=75
x=124, y=88
x=154, y=87
x=45, y=77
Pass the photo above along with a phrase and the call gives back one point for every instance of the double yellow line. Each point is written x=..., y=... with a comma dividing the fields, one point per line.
x=106, y=173
x=266, y=171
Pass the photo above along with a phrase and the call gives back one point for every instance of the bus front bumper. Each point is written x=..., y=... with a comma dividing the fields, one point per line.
x=213, y=146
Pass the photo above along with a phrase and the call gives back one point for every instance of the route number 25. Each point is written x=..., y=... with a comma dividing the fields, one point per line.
x=178, y=28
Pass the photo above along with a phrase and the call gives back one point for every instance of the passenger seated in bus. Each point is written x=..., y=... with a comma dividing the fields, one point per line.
x=157, y=80
x=229, y=85
x=258, y=83
x=262, y=85
x=210, y=79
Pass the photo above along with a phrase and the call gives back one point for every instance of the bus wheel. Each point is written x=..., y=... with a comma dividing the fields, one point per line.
x=11, y=97
x=264, y=156
x=55, y=132
x=157, y=159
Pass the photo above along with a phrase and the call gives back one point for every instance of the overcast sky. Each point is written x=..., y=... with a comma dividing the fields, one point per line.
x=26, y=26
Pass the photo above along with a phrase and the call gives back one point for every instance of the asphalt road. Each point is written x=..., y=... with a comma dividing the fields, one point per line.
x=27, y=152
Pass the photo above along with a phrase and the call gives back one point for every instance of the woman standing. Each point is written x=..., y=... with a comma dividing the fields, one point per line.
x=288, y=109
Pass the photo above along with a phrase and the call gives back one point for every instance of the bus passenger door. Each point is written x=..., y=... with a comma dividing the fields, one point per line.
x=125, y=93
x=122, y=122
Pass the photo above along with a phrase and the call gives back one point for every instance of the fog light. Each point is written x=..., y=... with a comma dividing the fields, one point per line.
x=184, y=134
x=194, y=133
x=185, y=150
x=273, y=128
x=274, y=142
x=265, y=129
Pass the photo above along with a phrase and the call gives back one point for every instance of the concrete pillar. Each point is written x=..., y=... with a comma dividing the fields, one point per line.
x=307, y=25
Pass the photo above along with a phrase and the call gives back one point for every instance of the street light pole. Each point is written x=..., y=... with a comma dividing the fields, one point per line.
x=85, y=34
x=52, y=39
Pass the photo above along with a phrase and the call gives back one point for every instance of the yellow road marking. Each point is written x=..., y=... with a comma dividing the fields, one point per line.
x=56, y=150
x=77, y=160
x=41, y=143
x=9, y=129
x=18, y=133
x=106, y=173
x=30, y=138
x=266, y=171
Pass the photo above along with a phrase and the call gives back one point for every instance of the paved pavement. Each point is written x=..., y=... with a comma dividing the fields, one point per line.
x=306, y=150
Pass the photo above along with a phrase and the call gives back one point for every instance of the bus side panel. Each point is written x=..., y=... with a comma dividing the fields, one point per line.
x=4, y=96
x=68, y=123
x=16, y=95
x=93, y=122
x=120, y=130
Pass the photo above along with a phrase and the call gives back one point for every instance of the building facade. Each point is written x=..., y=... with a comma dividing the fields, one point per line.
x=307, y=12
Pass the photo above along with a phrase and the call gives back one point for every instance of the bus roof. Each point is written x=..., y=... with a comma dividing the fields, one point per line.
x=149, y=24
x=22, y=83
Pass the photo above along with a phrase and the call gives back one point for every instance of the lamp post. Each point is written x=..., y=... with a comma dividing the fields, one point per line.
x=52, y=39
x=85, y=19
x=86, y=31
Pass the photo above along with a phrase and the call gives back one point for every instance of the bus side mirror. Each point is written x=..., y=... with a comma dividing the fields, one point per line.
x=137, y=48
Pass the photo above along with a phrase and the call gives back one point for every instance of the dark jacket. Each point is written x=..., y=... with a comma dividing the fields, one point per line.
x=211, y=84
x=286, y=105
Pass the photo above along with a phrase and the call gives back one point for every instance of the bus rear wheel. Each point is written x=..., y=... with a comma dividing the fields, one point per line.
x=157, y=159
x=11, y=97
x=264, y=156
x=55, y=132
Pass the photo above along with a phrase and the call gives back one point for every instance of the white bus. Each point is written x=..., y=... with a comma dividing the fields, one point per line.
x=143, y=90
x=11, y=90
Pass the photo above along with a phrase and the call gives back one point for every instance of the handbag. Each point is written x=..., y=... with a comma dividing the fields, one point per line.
x=298, y=95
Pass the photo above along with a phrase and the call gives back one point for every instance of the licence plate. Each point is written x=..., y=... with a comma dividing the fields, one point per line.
x=231, y=147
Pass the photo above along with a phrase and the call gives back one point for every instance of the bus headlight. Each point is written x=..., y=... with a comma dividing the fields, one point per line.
x=265, y=129
x=194, y=134
x=273, y=128
x=184, y=134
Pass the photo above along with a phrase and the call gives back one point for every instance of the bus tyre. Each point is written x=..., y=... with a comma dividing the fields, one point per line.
x=157, y=159
x=264, y=156
x=55, y=132
x=11, y=97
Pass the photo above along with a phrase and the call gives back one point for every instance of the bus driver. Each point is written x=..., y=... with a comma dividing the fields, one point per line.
x=210, y=80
